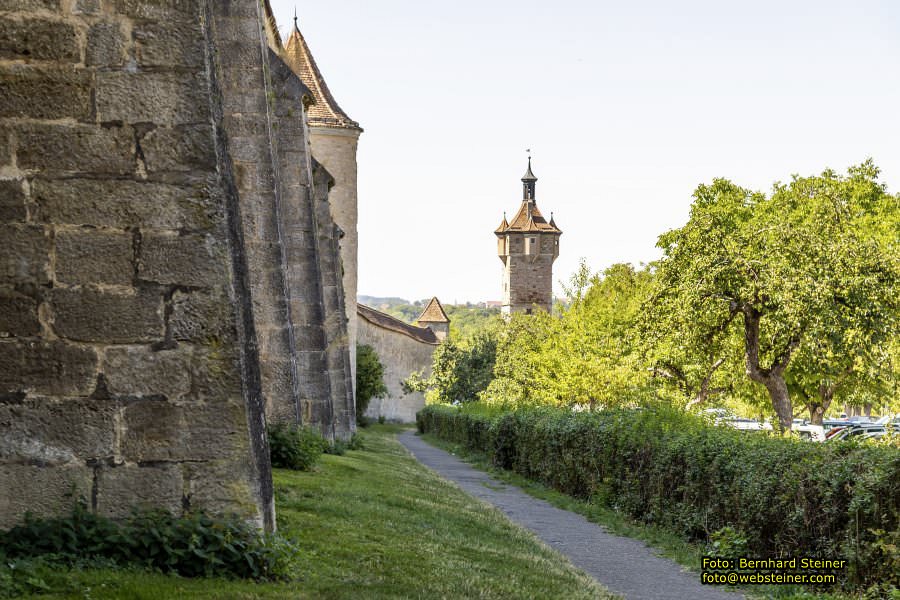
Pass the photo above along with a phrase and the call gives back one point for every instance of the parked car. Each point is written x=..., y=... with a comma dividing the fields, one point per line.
x=861, y=432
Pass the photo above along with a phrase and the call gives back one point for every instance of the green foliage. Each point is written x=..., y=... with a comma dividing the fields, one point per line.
x=294, y=447
x=589, y=355
x=460, y=371
x=369, y=379
x=728, y=542
x=193, y=545
x=665, y=467
x=798, y=290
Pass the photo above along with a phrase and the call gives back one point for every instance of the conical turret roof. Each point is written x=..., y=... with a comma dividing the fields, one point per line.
x=325, y=112
x=529, y=176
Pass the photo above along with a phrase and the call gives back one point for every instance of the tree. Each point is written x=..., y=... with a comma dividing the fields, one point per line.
x=459, y=371
x=809, y=273
x=369, y=379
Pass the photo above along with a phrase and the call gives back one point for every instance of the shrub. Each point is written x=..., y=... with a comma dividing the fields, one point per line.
x=294, y=447
x=779, y=497
x=193, y=545
x=369, y=380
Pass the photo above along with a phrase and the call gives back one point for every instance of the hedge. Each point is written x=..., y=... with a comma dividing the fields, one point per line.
x=657, y=465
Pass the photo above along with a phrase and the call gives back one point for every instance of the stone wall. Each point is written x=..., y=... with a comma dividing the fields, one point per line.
x=335, y=149
x=528, y=278
x=400, y=354
x=166, y=268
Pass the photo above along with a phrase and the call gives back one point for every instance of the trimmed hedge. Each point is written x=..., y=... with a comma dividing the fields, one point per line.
x=662, y=466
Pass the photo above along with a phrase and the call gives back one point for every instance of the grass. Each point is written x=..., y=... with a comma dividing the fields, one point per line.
x=665, y=542
x=372, y=523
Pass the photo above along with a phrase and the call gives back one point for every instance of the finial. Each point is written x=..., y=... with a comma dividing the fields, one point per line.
x=295, y=17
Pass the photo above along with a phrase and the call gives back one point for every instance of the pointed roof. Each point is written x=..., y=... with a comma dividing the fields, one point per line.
x=504, y=225
x=433, y=313
x=325, y=111
x=529, y=219
x=529, y=176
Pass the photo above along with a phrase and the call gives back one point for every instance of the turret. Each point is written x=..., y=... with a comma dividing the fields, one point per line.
x=527, y=247
x=435, y=319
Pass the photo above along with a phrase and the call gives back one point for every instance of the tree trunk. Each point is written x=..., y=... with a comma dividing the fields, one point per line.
x=772, y=378
x=816, y=413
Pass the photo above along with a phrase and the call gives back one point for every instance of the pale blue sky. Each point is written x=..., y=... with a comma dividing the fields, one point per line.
x=626, y=107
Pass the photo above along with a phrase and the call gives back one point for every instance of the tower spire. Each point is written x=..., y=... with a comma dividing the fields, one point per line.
x=528, y=183
x=296, y=27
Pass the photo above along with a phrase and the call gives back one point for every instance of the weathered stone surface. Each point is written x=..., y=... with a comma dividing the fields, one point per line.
x=51, y=368
x=25, y=254
x=18, y=315
x=215, y=375
x=5, y=147
x=87, y=7
x=159, y=43
x=191, y=260
x=155, y=430
x=94, y=316
x=12, y=200
x=80, y=149
x=38, y=39
x=202, y=317
x=62, y=92
x=105, y=45
x=139, y=371
x=176, y=10
x=178, y=149
x=212, y=484
x=42, y=491
x=121, y=488
x=47, y=431
x=123, y=204
x=85, y=256
x=161, y=98
x=29, y=4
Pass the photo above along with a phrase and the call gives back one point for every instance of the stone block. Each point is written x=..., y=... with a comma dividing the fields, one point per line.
x=62, y=93
x=51, y=432
x=38, y=39
x=24, y=254
x=124, y=204
x=42, y=491
x=215, y=430
x=191, y=260
x=12, y=5
x=87, y=7
x=167, y=43
x=152, y=431
x=18, y=315
x=221, y=486
x=162, y=98
x=202, y=317
x=80, y=149
x=216, y=375
x=95, y=316
x=139, y=371
x=157, y=10
x=85, y=256
x=188, y=148
x=105, y=45
x=52, y=368
x=121, y=488
x=12, y=200
x=5, y=147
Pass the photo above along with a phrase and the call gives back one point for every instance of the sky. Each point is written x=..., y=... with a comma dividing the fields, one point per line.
x=626, y=107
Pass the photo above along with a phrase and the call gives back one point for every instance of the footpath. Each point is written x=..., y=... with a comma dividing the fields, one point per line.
x=625, y=566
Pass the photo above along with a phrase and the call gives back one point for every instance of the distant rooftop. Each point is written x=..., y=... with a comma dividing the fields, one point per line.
x=385, y=321
x=433, y=313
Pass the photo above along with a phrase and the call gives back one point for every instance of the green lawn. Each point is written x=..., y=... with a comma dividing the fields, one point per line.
x=374, y=523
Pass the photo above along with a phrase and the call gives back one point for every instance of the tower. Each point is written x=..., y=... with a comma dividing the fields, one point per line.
x=435, y=319
x=333, y=139
x=527, y=246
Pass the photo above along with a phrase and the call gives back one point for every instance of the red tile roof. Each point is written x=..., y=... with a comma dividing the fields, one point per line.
x=433, y=313
x=528, y=219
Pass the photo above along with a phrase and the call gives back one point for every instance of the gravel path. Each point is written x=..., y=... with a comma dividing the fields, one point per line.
x=624, y=565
